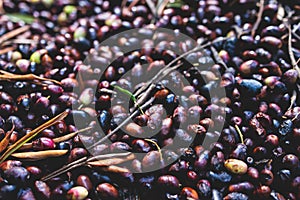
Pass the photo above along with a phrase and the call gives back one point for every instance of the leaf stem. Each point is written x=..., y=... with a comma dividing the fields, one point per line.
x=240, y=133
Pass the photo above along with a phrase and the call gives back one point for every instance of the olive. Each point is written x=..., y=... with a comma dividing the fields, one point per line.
x=8, y=192
x=236, y=195
x=236, y=166
x=9, y=164
x=188, y=193
x=107, y=191
x=77, y=193
x=263, y=191
x=246, y=187
x=204, y=188
x=26, y=194
x=290, y=161
x=168, y=183
x=42, y=190
x=84, y=181
x=17, y=175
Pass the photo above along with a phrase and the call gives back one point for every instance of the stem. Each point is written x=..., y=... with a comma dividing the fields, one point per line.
x=121, y=125
x=158, y=148
x=132, y=97
x=290, y=50
x=259, y=16
x=81, y=162
x=240, y=133
x=58, y=139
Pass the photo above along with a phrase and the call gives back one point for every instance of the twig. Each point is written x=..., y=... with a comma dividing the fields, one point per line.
x=298, y=61
x=121, y=125
x=13, y=33
x=58, y=139
x=259, y=16
x=107, y=91
x=81, y=162
x=293, y=100
x=218, y=59
x=19, y=41
x=197, y=48
x=290, y=50
x=142, y=94
x=152, y=7
x=63, y=169
x=161, y=6
x=145, y=94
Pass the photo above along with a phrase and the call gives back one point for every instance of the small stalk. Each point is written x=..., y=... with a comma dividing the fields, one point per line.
x=132, y=97
x=259, y=17
x=58, y=139
x=81, y=162
x=158, y=148
x=240, y=133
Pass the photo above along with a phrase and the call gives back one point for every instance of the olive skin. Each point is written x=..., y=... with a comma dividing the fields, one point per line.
x=107, y=191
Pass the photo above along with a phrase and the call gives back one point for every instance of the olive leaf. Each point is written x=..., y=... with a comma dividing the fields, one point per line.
x=175, y=4
x=31, y=135
x=39, y=155
x=16, y=17
x=132, y=97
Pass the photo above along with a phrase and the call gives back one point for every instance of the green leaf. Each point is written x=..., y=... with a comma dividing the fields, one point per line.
x=175, y=4
x=127, y=92
x=16, y=17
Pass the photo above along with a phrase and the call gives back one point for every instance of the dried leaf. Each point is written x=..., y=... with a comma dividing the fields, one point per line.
x=39, y=155
x=70, y=135
x=31, y=135
x=115, y=169
x=6, y=76
x=6, y=50
x=5, y=141
x=13, y=33
x=111, y=161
